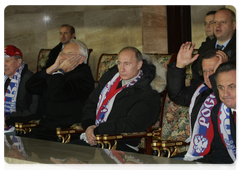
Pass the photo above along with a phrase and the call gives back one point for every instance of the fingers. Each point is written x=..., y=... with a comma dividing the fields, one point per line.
x=222, y=55
x=70, y=63
x=195, y=57
x=90, y=135
x=187, y=46
x=222, y=58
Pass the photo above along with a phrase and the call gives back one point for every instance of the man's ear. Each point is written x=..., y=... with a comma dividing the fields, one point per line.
x=139, y=64
x=82, y=59
x=19, y=61
x=234, y=25
x=73, y=35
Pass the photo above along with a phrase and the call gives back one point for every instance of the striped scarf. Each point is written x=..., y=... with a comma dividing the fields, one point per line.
x=107, y=97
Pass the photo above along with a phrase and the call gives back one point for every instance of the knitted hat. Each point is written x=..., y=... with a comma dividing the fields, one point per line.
x=11, y=50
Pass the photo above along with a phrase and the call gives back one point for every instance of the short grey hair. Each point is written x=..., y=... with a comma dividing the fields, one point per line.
x=18, y=57
x=82, y=47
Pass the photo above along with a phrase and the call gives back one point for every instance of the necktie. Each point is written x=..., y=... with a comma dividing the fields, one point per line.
x=220, y=47
x=236, y=119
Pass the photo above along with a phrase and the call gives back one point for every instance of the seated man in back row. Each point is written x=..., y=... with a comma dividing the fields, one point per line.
x=64, y=87
x=18, y=103
x=126, y=100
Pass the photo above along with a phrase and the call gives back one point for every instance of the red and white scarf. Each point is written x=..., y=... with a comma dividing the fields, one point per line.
x=202, y=134
x=107, y=97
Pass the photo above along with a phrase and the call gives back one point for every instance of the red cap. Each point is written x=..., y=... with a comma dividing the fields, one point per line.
x=11, y=50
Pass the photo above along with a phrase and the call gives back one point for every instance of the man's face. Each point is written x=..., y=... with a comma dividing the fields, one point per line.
x=209, y=25
x=208, y=69
x=128, y=67
x=226, y=84
x=69, y=50
x=223, y=26
x=11, y=65
x=65, y=35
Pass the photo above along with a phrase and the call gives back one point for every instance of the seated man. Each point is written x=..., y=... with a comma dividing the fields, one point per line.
x=64, y=88
x=224, y=122
x=225, y=39
x=18, y=103
x=124, y=100
x=193, y=95
x=66, y=33
x=209, y=25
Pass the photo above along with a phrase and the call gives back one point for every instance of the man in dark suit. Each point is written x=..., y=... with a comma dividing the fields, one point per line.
x=209, y=25
x=225, y=39
x=64, y=87
x=224, y=115
x=66, y=33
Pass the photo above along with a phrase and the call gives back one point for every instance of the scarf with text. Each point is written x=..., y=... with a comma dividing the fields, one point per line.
x=107, y=97
x=11, y=93
x=202, y=135
x=225, y=130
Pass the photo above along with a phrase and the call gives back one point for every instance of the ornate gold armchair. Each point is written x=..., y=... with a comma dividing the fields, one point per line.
x=110, y=141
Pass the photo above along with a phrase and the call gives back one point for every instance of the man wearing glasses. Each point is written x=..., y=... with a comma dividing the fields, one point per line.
x=224, y=24
x=200, y=99
x=64, y=88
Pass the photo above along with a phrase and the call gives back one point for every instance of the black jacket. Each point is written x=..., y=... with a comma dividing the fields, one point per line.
x=26, y=104
x=230, y=50
x=182, y=95
x=53, y=55
x=220, y=154
x=135, y=108
x=62, y=96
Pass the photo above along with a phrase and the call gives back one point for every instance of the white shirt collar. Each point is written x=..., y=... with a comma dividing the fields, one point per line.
x=224, y=45
x=236, y=110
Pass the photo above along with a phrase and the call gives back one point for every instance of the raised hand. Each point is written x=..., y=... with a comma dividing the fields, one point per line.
x=71, y=63
x=222, y=58
x=184, y=56
x=54, y=67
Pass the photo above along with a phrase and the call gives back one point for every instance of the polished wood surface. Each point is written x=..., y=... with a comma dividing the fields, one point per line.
x=40, y=154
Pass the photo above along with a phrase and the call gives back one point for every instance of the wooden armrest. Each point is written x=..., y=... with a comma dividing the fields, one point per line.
x=23, y=128
x=25, y=125
x=104, y=141
x=165, y=145
x=63, y=131
x=64, y=134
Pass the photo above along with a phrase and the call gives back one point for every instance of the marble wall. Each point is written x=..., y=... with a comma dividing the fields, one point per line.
x=105, y=29
x=235, y=6
x=154, y=26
